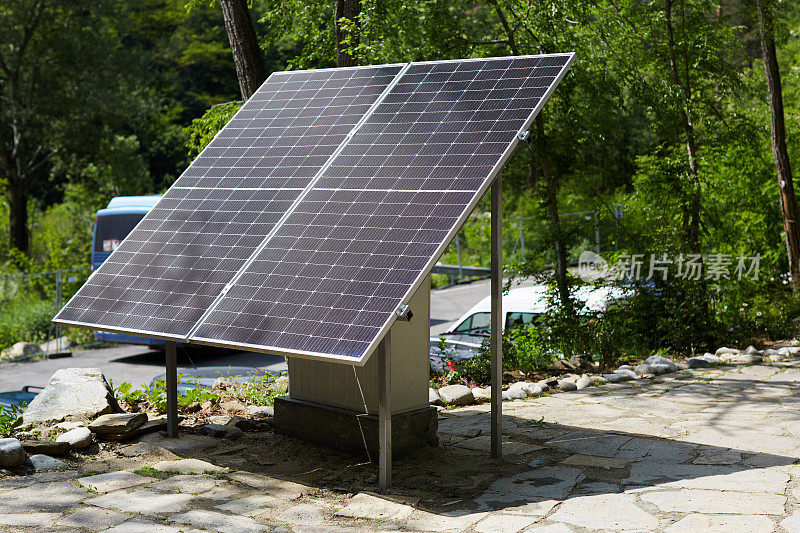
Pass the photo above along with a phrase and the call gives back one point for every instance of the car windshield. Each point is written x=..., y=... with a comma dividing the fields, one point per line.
x=479, y=323
x=520, y=320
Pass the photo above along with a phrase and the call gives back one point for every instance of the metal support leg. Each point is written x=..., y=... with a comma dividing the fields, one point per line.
x=172, y=389
x=497, y=315
x=385, y=413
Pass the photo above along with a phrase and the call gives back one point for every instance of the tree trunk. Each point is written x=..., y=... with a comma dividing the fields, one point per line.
x=779, y=150
x=247, y=56
x=350, y=10
x=18, y=214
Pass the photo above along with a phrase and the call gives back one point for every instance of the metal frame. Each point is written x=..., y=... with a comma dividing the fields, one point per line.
x=172, y=388
x=385, y=412
x=434, y=257
x=497, y=317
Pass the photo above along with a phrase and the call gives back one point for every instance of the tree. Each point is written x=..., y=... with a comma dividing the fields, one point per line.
x=247, y=55
x=347, y=22
x=779, y=149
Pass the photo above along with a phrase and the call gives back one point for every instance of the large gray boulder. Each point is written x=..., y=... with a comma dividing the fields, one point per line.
x=72, y=392
x=22, y=349
x=457, y=395
x=11, y=453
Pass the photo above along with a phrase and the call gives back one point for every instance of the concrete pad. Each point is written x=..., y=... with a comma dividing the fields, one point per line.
x=364, y=505
x=37, y=520
x=483, y=443
x=304, y=514
x=93, y=518
x=656, y=450
x=710, y=477
x=102, y=483
x=183, y=444
x=279, y=488
x=605, y=512
x=190, y=466
x=43, y=497
x=252, y=505
x=589, y=443
x=550, y=528
x=792, y=523
x=210, y=520
x=447, y=522
x=139, y=526
x=470, y=426
x=716, y=502
x=504, y=523
x=145, y=502
x=187, y=484
x=700, y=523
x=532, y=493
x=591, y=461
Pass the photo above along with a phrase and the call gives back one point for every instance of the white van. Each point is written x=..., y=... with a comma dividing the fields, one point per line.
x=521, y=309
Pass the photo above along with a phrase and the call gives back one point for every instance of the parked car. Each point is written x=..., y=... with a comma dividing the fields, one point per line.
x=111, y=226
x=521, y=309
x=16, y=399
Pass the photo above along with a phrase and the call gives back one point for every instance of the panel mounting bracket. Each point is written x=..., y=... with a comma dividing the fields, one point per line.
x=524, y=135
x=404, y=313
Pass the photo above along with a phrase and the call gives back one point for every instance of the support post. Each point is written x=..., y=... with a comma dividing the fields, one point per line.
x=458, y=253
x=172, y=389
x=385, y=413
x=596, y=233
x=497, y=314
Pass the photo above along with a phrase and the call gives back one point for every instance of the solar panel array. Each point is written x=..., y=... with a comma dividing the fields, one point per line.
x=368, y=227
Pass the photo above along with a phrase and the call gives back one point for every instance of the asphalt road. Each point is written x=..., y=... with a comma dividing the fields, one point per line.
x=139, y=365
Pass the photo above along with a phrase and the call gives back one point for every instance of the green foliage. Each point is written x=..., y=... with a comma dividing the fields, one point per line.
x=149, y=471
x=203, y=129
x=10, y=421
x=156, y=395
x=261, y=390
x=24, y=320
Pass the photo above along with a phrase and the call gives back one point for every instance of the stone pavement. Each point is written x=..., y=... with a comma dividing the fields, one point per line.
x=712, y=449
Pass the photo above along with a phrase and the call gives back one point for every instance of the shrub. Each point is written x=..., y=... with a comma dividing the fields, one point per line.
x=24, y=320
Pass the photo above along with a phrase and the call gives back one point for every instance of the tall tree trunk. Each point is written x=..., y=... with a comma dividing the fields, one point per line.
x=692, y=217
x=779, y=150
x=247, y=56
x=17, y=196
x=350, y=10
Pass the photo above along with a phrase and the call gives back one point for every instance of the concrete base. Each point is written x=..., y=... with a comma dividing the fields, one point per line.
x=338, y=428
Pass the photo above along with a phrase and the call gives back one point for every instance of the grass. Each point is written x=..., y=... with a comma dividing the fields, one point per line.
x=149, y=471
x=261, y=390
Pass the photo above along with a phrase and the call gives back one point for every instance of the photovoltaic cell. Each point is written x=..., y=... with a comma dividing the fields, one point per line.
x=173, y=266
x=373, y=223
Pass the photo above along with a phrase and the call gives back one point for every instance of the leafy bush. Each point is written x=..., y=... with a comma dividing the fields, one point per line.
x=259, y=391
x=79, y=336
x=10, y=421
x=156, y=396
x=24, y=320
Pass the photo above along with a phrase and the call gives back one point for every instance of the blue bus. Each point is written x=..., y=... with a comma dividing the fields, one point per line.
x=111, y=226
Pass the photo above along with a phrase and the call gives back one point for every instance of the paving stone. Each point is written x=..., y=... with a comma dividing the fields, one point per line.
x=699, y=523
x=304, y=514
x=141, y=526
x=211, y=520
x=189, y=466
x=45, y=463
x=710, y=456
x=484, y=442
x=220, y=431
x=504, y=523
x=656, y=450
x=605, y=512
x=470, y=426
x=792, y=523
x=141, y=501
x=550, y=528
x=46, y=447
x=365, y=505
x=118, y=422
x=102, y=483
x=53, y=496
x=187, y=484
x=534, y=492
x=592, y=461
x=589, y=443
x=93, y=518
x=716, y=501
x=181, y=445
x=37, y=520
x=709, y=477
x=278, y=488
x=252, y=505
x=448, y=521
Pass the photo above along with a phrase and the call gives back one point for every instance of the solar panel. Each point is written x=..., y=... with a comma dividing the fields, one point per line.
x=372, y=224
x=172, y=267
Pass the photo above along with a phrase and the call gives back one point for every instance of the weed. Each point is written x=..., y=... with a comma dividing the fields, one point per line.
x=11, y=421
x=149, y=471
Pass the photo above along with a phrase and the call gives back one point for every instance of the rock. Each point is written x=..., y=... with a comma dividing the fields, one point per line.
x=642, y=369
x=47, y=447
x=533, y=389
x=726, y=350
x=747, y=359
x=433, y=397
x=711, y=358
x=769, y=352
x=222, y=420
x=261, y=411
x=550, y=382
x=751, y=350
x=697, y=362
x=659, y=369
x=22, y=349
x=11, y=453
x=156, y=424
x=627, y=372
x=625, y=367
x=206, y=405
x=456, y=395
x=76, y=438
x=572, y=378
x=567, y=385
x=599, y=380
x=583, y=382
x=118, y=423
x=778, y=346
x=482, y=393
x=282, y=382
x=233, y=406
x=659, y=360
x=45, y=463
x=66, y=426
x=220, y=431
x=514, y=394
x=617, y=378
x=72, y=392
x=682, y=366
x=190, y=466
x=794, y=351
